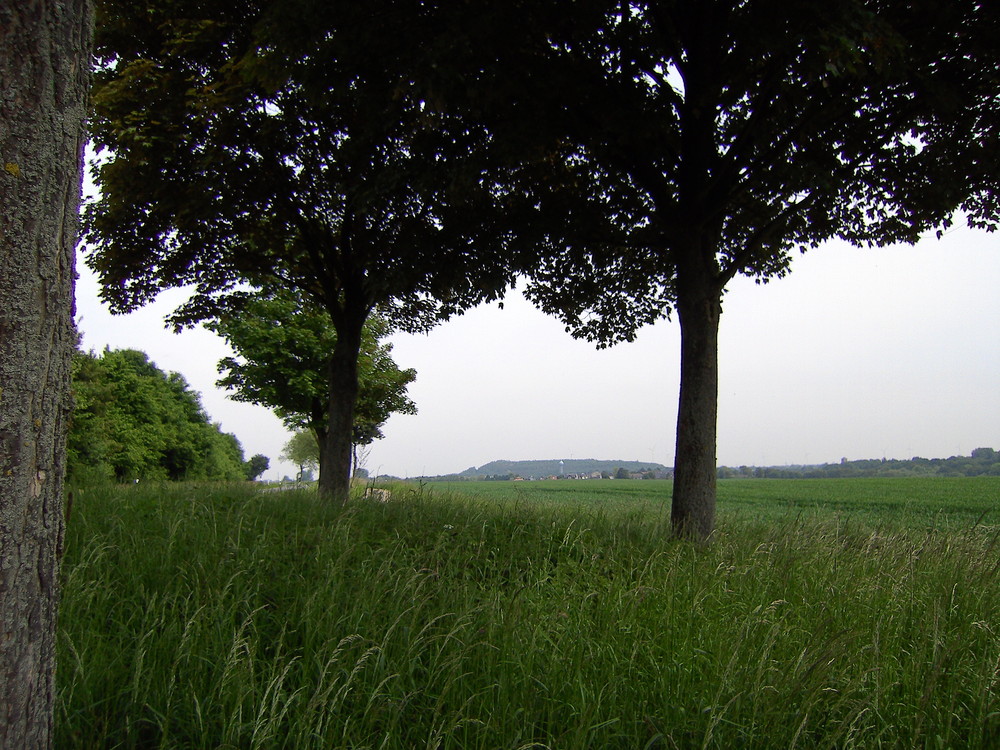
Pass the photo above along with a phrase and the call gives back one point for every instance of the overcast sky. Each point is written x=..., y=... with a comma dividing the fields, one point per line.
x=891, y=352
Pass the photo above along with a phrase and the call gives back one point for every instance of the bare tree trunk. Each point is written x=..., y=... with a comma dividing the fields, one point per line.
x=44, y=73
x=335, y=449
x=692, y=512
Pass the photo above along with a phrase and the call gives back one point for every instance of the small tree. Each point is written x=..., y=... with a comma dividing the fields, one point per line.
x=256, y=466
x=303, y=451
x=283, y=345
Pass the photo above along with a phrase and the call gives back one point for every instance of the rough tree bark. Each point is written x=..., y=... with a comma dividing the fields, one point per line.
x=44, y=73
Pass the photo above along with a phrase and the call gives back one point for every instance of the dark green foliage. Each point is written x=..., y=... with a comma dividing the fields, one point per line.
x=134, y=421
x=256, y=466
x=730, y=134
x=252, y=140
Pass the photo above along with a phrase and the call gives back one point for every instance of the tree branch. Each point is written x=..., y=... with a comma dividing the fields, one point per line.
x=754, y=245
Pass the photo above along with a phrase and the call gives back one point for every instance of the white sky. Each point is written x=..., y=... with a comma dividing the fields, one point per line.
x=891, y=352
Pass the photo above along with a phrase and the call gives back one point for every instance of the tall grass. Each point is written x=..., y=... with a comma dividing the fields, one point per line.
x=218, y=618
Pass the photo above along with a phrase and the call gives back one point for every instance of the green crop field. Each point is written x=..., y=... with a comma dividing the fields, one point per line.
x=825, y=613
x=908, y=502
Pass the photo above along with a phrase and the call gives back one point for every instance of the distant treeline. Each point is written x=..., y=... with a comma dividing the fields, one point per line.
x=982, y=462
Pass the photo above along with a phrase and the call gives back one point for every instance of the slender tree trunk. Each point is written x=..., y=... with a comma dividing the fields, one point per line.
x=44, y=73
x=699, y=307
x=335, y=448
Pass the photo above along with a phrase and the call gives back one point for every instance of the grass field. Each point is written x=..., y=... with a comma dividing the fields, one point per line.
x=908, y=502
x=826, y=613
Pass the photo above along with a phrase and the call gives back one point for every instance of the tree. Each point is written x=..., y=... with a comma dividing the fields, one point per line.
x=687, y=143
x=256, y=466
x=284, y=143
x=43, y=76
x=303, y=451
x=88, y=441
x=283, y=344
x=987, y=455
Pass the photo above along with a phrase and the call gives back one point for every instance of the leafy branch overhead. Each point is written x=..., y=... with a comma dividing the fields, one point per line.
x=723, y=136
x=252, y=141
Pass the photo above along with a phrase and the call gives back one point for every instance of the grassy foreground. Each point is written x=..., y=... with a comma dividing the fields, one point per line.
x=201, y=617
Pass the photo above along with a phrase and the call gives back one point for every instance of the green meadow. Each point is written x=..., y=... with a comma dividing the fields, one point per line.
x=822, y=614
x=908, y=502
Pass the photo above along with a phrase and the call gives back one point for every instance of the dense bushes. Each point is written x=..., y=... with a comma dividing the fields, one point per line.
x=134, y=421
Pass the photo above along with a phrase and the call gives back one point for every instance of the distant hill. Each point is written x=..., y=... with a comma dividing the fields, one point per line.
x=559, y=467
x=982, y=462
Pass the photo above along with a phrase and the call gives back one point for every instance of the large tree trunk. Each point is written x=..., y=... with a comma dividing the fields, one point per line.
x=699, y=308
x=335, y=447
x=44, y=72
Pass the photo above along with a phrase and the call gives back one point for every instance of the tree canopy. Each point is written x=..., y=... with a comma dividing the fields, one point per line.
x=134, y=421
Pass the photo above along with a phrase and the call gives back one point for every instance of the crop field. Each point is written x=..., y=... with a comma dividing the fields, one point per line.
x=823, y=614
x=908, y=501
